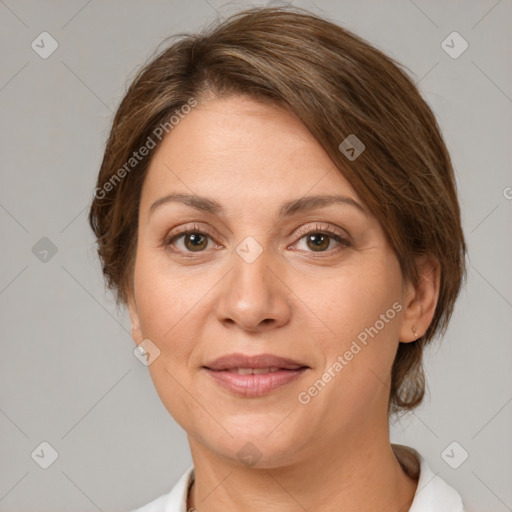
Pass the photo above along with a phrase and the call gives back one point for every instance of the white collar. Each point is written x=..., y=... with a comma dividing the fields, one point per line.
x=433, y=494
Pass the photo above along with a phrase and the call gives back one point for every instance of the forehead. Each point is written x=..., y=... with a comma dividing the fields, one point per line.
x=236, y=148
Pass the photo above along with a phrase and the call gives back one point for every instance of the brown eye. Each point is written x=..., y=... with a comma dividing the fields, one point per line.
x=318, y=241
x=195, y=241
x=192, y=240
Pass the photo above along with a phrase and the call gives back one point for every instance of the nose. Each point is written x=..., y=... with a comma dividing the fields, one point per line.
x=254, y=296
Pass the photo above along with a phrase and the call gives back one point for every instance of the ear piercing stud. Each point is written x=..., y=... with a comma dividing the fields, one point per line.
x=414, y=331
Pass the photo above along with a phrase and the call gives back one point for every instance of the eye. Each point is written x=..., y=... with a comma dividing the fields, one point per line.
x=319, y=239
x=193, y=240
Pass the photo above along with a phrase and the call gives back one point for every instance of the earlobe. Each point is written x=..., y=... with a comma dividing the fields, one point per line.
x=421, y=300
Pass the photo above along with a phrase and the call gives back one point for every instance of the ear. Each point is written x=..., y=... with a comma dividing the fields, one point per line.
x=420, y=301
x=134, y=318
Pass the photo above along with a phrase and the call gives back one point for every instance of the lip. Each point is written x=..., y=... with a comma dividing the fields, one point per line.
x=238, y=360
x=224, y=371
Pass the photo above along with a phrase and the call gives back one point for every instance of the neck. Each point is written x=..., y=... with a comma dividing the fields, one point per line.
x=352, y=475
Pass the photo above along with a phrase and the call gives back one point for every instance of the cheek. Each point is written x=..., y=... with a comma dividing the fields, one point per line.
x=165, y=310
x=362, y=312
x=160, y=303
x=356, y=302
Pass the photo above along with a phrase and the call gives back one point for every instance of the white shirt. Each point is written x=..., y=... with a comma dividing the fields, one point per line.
x=433, y=494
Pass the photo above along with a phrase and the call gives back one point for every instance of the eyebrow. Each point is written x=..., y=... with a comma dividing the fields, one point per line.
x=207, y=205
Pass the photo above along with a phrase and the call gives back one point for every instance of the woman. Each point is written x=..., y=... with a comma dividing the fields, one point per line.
x=277, y=209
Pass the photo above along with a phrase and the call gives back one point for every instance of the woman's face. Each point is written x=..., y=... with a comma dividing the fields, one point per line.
x=265, y=270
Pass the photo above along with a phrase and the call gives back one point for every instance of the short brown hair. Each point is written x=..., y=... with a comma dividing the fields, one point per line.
x=336, y=84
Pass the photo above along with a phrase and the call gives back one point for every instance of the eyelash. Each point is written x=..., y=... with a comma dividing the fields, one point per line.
x=318, y=229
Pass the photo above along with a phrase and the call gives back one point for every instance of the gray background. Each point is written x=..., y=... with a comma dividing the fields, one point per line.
x=68, y=373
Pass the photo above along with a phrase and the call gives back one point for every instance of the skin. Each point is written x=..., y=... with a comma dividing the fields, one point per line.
x=295, y=300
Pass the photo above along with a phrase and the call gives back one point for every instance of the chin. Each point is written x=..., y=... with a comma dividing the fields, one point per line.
x=258, y=445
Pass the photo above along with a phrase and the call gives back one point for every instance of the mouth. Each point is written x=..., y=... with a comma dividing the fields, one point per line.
x=253, y=376
x=255, y=371
x=258, y=362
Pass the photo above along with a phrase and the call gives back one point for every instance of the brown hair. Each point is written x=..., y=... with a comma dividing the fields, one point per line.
x=337, y=85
